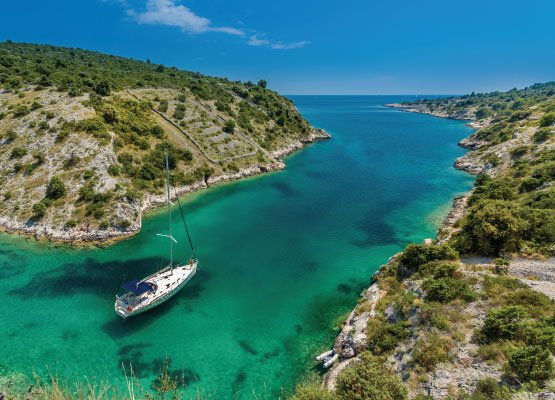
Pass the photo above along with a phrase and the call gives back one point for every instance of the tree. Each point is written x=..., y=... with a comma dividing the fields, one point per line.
x=102, y=88
x=229, y=126
x=55, y=188
x=262, y=83
x=39, y=209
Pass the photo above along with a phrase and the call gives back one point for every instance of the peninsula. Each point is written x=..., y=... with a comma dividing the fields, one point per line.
x=83, y=137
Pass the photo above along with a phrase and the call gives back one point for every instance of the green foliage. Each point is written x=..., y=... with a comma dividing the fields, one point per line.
x=370, y=379
x=489, y=389
x=229, y=126
x=163, y=106
x=446, y=289
x=532, y=363
x=385, y=336
x=312, y=391
x=416, y=255
x=20, y=111
x=55, y=188
x=542, y=134
x=504, y=323
x=432, y=350
x=39, y=209
x=18, y=152
x=548, y=119
x=495, y=226
x=114, y=170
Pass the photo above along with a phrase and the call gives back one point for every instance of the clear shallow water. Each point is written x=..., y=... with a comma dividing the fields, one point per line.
x=283, y=255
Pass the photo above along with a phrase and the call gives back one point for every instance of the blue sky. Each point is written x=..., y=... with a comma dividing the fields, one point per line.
x=312, y=47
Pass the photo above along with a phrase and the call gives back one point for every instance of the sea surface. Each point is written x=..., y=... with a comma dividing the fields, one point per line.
x=283, y=257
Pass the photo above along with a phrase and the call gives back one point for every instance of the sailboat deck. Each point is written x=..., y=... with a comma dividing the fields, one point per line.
x=166, y=282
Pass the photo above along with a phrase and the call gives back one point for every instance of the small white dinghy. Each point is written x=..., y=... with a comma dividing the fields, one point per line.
x=142, y=295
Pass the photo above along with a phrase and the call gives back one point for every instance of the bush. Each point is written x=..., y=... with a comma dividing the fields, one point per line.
x=163, y=106
x=229, y=126
x=416, y=255
x=542, y=134
x=39, y=209
x=312, y=391
x=370, y=379
x=55, y=188
x=489, y=389
x=431, y=351
x=114, y=170
x=20, y=111
x=384, y=336
x=491, y=227
x=71, y=223
x=531, y=364
x=18, y=152
x=504, y=323
x=444, y=290
x=102, y=88
x=548, y=119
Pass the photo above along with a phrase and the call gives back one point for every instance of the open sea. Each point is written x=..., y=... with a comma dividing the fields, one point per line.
x=283, y=257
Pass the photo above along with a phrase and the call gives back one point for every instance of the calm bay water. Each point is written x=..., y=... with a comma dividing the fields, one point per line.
x=283, y=255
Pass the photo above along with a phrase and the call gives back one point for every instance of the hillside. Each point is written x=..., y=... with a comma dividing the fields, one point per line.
x=471, y=315
x=83, y=137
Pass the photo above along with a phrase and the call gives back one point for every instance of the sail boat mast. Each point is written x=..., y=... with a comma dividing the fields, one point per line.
x=169, y=211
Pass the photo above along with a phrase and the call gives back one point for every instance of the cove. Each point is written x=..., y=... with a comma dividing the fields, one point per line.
x=283, y=256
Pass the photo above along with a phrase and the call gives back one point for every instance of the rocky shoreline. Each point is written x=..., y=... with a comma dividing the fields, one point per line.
x=352, y=339
x=103, y=237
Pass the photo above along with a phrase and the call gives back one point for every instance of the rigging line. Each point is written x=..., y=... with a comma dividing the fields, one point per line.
x=185, y=223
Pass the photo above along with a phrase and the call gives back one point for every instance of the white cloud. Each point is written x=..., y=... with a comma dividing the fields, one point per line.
x=260, y=40
x=170, y=13
x=167, y=12
x=255, y=40
x=289, y=46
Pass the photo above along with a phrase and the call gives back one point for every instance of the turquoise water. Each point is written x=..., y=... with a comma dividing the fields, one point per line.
x=283, y=255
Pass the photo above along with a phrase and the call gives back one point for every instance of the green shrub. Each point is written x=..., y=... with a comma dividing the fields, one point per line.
x=384, y=336
x=532, y=363
x=71, y=223
x=114, y=169
x=541, y=334
x=370, y=379
x=446, y=289
x=55, y=188
x=432, y=350
x=416, y=255
x=18, y=152
x=504, y=323
x=491, y=227
x=229, y=126
x=312, y=391
x=542, y=135
x=163, y=106
x=548, y=119
x=20, y=111
x=518, y=152
x=39, y=209
x=490, y=389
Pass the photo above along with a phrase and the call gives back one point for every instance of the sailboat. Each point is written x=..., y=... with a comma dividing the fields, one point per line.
x=142, y=295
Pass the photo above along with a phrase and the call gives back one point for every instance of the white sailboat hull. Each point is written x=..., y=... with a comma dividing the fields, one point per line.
x=167, y=283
